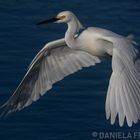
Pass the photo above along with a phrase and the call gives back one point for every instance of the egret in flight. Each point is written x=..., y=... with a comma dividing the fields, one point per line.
x=83, y=47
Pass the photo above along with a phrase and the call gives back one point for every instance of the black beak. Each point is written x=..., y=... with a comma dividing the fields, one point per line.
x=48, y=21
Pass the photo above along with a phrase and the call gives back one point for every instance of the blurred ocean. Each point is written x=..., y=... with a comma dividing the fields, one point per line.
x=74, y=108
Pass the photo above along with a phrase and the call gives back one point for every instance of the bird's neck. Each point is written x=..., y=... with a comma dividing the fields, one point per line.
x=74, y=26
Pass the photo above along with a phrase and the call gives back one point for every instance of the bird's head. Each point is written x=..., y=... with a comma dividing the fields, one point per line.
x=62, y=17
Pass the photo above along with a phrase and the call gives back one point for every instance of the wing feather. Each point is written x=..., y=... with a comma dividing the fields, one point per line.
x=124, y=83
x=55, y=61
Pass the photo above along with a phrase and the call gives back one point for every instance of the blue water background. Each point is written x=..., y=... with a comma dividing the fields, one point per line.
x=74, y=108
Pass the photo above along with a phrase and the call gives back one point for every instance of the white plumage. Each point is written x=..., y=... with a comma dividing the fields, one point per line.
x=83, y=49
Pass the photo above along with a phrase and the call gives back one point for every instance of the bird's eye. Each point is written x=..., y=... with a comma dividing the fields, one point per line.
x=60, y=17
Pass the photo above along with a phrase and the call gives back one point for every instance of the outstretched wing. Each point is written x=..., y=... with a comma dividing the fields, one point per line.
x=51, y=64
x=123, y=97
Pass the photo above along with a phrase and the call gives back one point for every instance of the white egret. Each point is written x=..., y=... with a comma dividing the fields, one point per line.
x=84, y=47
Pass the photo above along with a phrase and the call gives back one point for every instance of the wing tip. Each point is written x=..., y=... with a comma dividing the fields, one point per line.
x=122, y=122
x=4, y=111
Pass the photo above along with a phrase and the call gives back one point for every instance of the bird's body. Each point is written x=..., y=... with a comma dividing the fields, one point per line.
x=84, y=47
x=89, y=40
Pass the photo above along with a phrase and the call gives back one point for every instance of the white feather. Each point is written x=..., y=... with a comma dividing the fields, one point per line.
x=125, y=78
x=45, y=70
